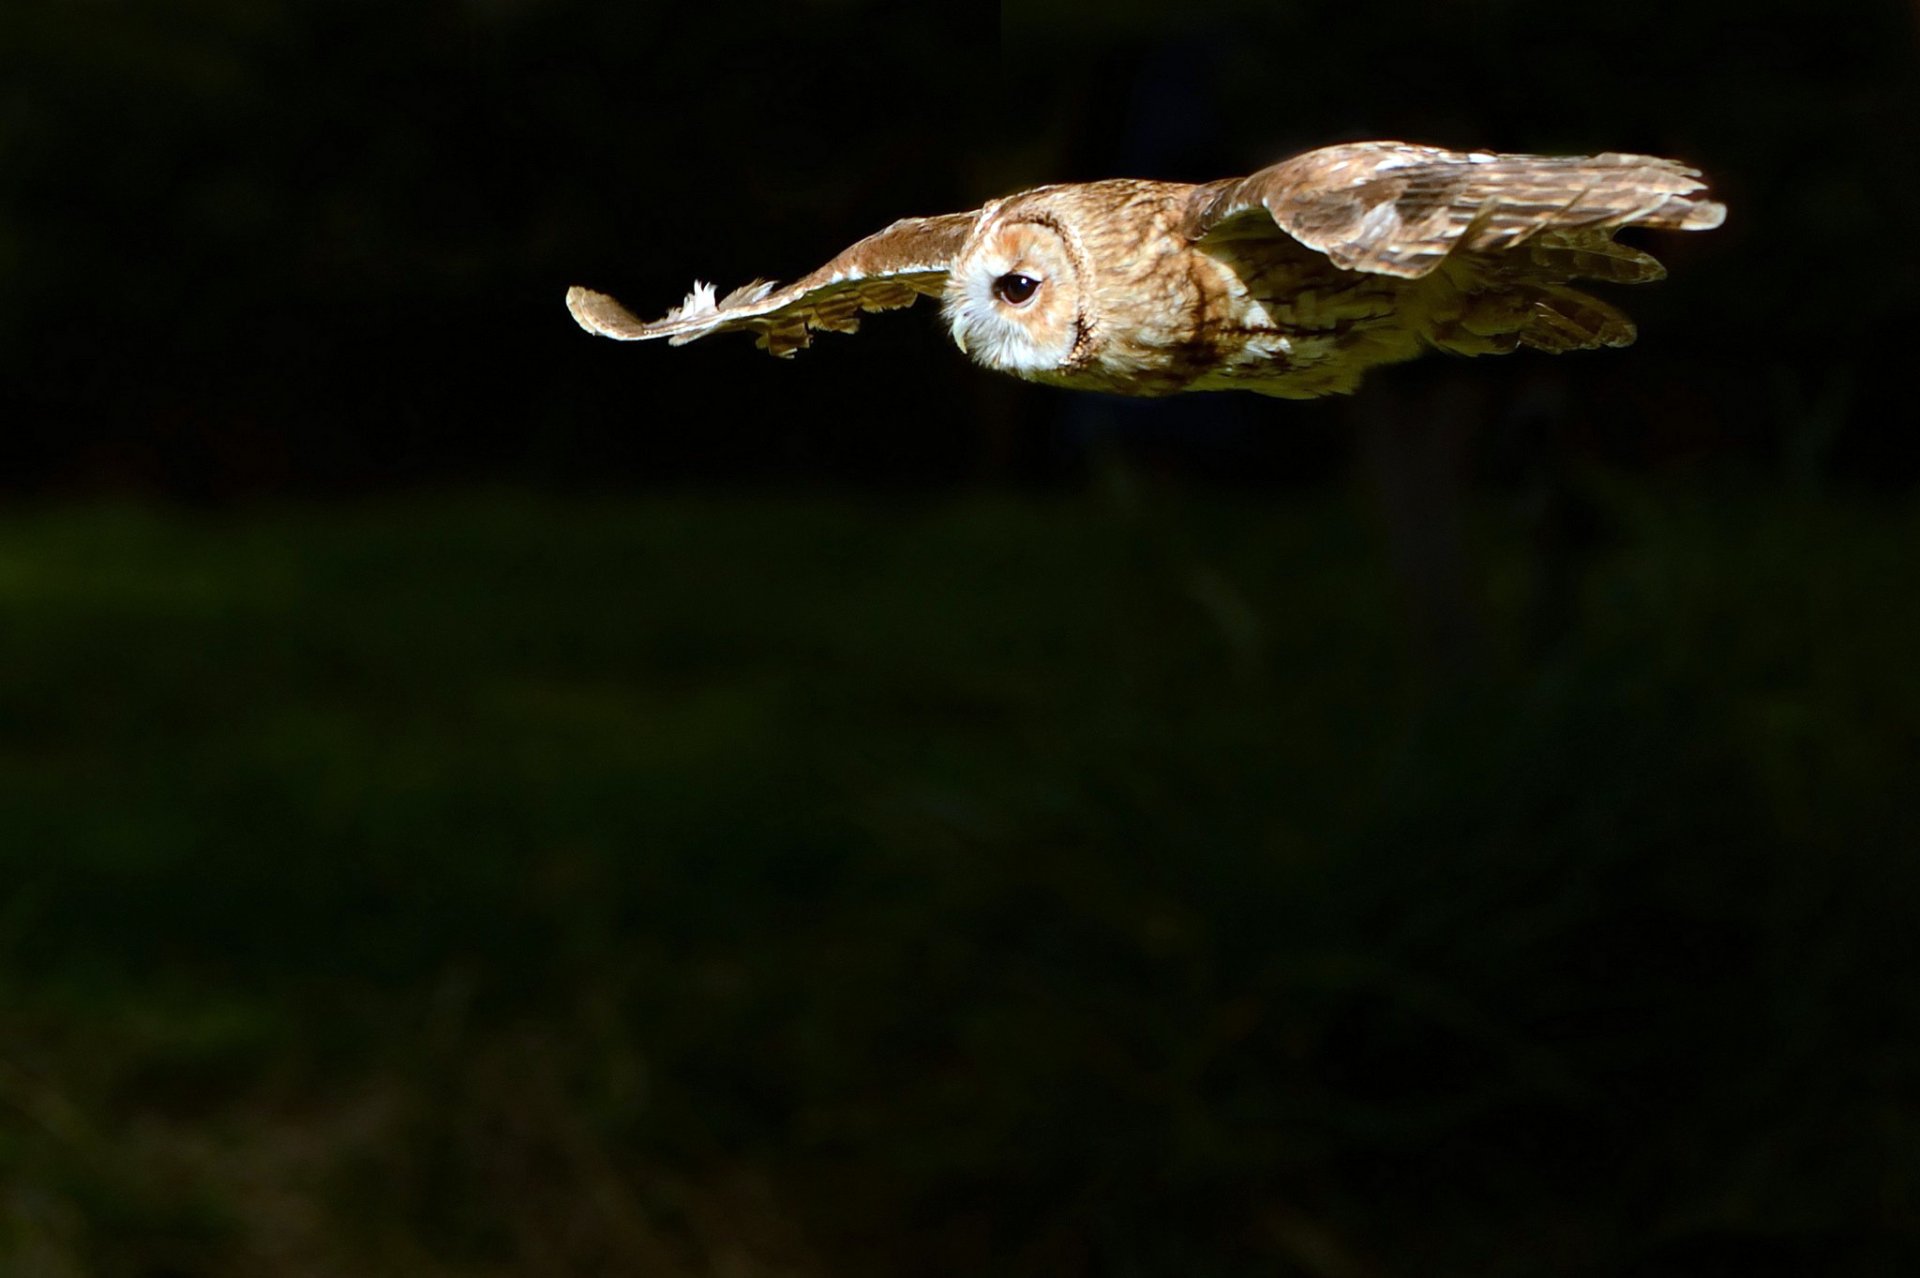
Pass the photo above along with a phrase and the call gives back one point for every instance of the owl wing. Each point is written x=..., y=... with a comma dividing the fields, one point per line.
x=887, y=270
x=1391, y=208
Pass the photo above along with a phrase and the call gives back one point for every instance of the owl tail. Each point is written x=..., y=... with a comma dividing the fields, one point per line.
x=1527, y=298
x=1541, y=316
x=1565, y=319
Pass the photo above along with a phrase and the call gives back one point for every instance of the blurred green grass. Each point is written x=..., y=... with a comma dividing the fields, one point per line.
x=483, y=884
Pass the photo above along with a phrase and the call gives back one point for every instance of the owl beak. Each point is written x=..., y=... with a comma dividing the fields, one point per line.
x=960, y=340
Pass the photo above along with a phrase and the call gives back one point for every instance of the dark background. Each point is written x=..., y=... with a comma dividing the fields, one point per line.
x=476, y=799
x=314, y=247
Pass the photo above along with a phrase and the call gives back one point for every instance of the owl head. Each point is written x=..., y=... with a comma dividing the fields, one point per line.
x=1016, y=298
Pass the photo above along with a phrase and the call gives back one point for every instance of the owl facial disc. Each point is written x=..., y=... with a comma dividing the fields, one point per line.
x=1012, y=300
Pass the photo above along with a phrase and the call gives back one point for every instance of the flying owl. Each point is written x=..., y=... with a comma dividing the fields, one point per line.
x=1292, y=282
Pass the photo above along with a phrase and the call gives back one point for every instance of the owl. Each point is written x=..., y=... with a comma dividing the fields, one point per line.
x=1292, y=282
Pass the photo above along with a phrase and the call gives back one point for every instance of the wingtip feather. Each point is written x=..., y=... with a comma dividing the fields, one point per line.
x=1704, y=215
x=602, y=315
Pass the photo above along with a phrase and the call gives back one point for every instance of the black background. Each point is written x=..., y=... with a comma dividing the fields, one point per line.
x=316, y=247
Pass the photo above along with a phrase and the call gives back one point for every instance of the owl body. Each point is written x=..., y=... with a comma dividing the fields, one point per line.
x=1292, y=282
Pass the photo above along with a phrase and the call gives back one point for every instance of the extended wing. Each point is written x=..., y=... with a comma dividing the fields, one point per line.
x=1391, y=208
x=888, y=269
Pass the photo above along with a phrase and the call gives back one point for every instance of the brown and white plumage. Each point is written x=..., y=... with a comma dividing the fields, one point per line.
x=1291, y=282
x=887, y=270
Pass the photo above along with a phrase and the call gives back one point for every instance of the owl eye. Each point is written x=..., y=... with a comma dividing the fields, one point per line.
x=1015, y=289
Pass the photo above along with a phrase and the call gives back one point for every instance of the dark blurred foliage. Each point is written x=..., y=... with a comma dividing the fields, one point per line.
x=563, y=888
x=258, y=245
